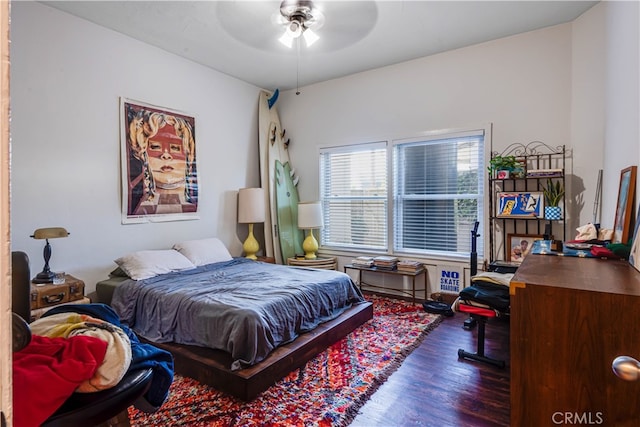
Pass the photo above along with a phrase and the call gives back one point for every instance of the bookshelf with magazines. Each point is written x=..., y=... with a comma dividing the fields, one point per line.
x=367, y=267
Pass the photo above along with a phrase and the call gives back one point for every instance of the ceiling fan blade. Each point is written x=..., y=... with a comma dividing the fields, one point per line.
x=316, y=21
x=278, y=19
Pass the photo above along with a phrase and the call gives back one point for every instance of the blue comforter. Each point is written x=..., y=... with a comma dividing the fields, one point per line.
x=243, y=307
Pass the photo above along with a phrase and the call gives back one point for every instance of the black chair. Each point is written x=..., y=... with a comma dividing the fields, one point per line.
x=482, y=300
x=480, y=315
x=106, y=407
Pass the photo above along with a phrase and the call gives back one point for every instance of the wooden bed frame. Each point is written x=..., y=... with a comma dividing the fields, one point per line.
x=212, y=367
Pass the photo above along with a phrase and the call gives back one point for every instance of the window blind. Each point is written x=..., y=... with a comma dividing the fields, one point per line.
x=438, y=193
x=353, y=191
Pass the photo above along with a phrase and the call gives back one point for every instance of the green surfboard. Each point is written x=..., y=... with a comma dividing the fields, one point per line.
x=287, y=199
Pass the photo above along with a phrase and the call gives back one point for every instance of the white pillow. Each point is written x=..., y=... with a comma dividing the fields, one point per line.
x=145, y=264
x=203, y=251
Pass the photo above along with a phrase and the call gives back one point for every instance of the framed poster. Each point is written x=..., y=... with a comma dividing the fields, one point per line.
x=624, y=206
x=519, y=245
x=520, y=205
x=158, y=163
x=634, y=255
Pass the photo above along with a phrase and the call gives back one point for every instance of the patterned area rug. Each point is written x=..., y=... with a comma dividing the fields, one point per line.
x=327, y=391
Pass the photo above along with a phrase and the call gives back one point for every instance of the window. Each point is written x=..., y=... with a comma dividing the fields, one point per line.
x=353, y=190
x=437, y=194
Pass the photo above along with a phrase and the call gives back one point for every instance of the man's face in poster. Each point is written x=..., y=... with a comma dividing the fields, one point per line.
x=167, y=159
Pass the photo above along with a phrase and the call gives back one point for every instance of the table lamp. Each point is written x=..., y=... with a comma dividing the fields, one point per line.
x=309, y=217
x=250, y=211
x=46, y=275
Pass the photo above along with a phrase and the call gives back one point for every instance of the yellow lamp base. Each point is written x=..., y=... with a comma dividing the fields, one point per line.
x=310, y=246
x=251, y=245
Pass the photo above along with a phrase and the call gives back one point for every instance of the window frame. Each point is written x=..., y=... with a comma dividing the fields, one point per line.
x=391, y=143
x=351, y=149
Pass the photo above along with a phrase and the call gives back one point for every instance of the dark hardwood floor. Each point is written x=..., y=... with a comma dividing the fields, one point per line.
x=433, y=387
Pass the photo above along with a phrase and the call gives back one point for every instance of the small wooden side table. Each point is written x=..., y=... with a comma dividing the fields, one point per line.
x=330, y=263
x=412, y=274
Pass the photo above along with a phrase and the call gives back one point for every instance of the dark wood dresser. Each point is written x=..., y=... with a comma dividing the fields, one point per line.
x=570, y=318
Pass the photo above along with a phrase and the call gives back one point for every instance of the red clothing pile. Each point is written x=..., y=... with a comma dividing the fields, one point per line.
x=47, y=371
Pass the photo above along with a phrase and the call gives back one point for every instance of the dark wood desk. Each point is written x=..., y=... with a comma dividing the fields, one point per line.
x=570, y=318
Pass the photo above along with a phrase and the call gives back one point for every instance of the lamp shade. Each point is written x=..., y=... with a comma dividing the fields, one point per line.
x=250, y=205
x=310, y=37
x=309, y=215
x=50, y=233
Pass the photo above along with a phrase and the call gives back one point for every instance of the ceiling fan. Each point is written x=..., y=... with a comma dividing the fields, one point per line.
x=300, y=18
x=245, y=22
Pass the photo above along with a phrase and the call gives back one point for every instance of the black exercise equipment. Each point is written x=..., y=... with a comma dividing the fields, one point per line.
x=482, y=300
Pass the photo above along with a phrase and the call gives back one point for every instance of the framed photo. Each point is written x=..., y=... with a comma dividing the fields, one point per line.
x=520, y=205
x=634, y=255
x=158, y=163
x=624, y=207
x=519, y=245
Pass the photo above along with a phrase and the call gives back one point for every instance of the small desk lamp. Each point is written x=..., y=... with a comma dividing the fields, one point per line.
x=251, y=210
x=309, y=217
x=46, y=275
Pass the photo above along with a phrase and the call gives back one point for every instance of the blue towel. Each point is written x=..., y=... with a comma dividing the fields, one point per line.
x=143, y=355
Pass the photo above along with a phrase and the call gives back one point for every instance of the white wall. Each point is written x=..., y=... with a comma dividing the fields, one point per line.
x=522, y=84
x=588, y=109
x=605, y=101
x=622, y=101
x=67, y=75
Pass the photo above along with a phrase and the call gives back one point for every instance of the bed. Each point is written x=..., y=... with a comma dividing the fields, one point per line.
x=236, y=324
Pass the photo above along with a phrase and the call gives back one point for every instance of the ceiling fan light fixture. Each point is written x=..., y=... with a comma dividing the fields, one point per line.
x=310, y=37
x=286, y=39
x=294, y=29
x=299, y=16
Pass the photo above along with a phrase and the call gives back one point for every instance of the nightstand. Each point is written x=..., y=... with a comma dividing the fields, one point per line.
x=330, y=263
x=46, y=296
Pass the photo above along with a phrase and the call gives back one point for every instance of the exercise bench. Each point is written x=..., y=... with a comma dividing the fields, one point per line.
x=480, y=315
x=486, y=298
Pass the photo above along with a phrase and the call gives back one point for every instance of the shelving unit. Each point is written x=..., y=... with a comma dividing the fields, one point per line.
x=535, y=155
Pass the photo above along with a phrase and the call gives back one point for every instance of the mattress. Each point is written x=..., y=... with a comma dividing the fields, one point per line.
x=106, y=288
x=243, y=307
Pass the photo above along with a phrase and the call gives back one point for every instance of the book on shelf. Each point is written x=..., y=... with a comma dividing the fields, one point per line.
x=384, y=262
x=385, y=258
x=409, y=266
x=544, y=173
x=409, y=263
x=362, y=261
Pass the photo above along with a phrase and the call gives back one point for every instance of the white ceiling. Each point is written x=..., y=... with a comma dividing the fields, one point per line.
x=239, y=38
